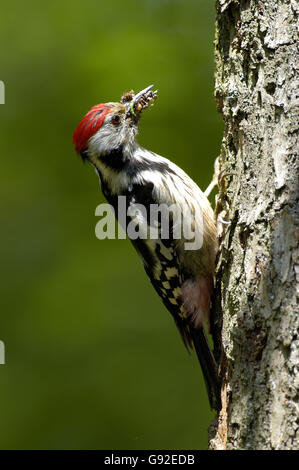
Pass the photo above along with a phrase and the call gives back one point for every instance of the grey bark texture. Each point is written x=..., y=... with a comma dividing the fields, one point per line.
x=255, y=310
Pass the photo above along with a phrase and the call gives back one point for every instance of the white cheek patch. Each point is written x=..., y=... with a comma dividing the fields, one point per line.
x=171, y=272
x=106, y=138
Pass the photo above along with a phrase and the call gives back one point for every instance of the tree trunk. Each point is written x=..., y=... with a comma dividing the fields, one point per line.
x=256, y=315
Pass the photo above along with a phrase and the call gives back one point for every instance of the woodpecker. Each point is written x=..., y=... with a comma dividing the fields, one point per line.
x=183, y=278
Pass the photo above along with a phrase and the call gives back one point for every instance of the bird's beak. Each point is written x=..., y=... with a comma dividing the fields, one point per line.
x=135, y=104
x=141, y=94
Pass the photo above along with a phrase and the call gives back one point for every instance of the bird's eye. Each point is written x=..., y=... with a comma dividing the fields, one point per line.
x=115, y=119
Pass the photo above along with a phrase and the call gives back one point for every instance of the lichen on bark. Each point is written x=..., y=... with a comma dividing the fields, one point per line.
x=256, y=309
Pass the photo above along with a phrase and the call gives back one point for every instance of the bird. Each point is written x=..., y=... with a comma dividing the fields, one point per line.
x=181, y=272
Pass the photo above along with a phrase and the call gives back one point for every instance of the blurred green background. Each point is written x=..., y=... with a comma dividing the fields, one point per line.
x=93, y=359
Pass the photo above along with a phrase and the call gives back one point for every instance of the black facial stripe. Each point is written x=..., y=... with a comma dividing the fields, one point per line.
x=115, y=159
x=84, y=154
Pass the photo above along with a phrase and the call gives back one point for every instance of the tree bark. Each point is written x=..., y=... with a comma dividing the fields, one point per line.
x=255, y=310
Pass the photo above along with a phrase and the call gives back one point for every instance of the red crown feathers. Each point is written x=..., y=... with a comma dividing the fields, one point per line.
x=89, y=125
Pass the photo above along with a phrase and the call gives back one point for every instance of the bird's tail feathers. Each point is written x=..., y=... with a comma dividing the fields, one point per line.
x=195, y=337
x=208, y=366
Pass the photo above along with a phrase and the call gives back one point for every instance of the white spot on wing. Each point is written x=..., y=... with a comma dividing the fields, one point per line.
x=171, y=272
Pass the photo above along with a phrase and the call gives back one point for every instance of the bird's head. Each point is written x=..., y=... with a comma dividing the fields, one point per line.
x=109, y=126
